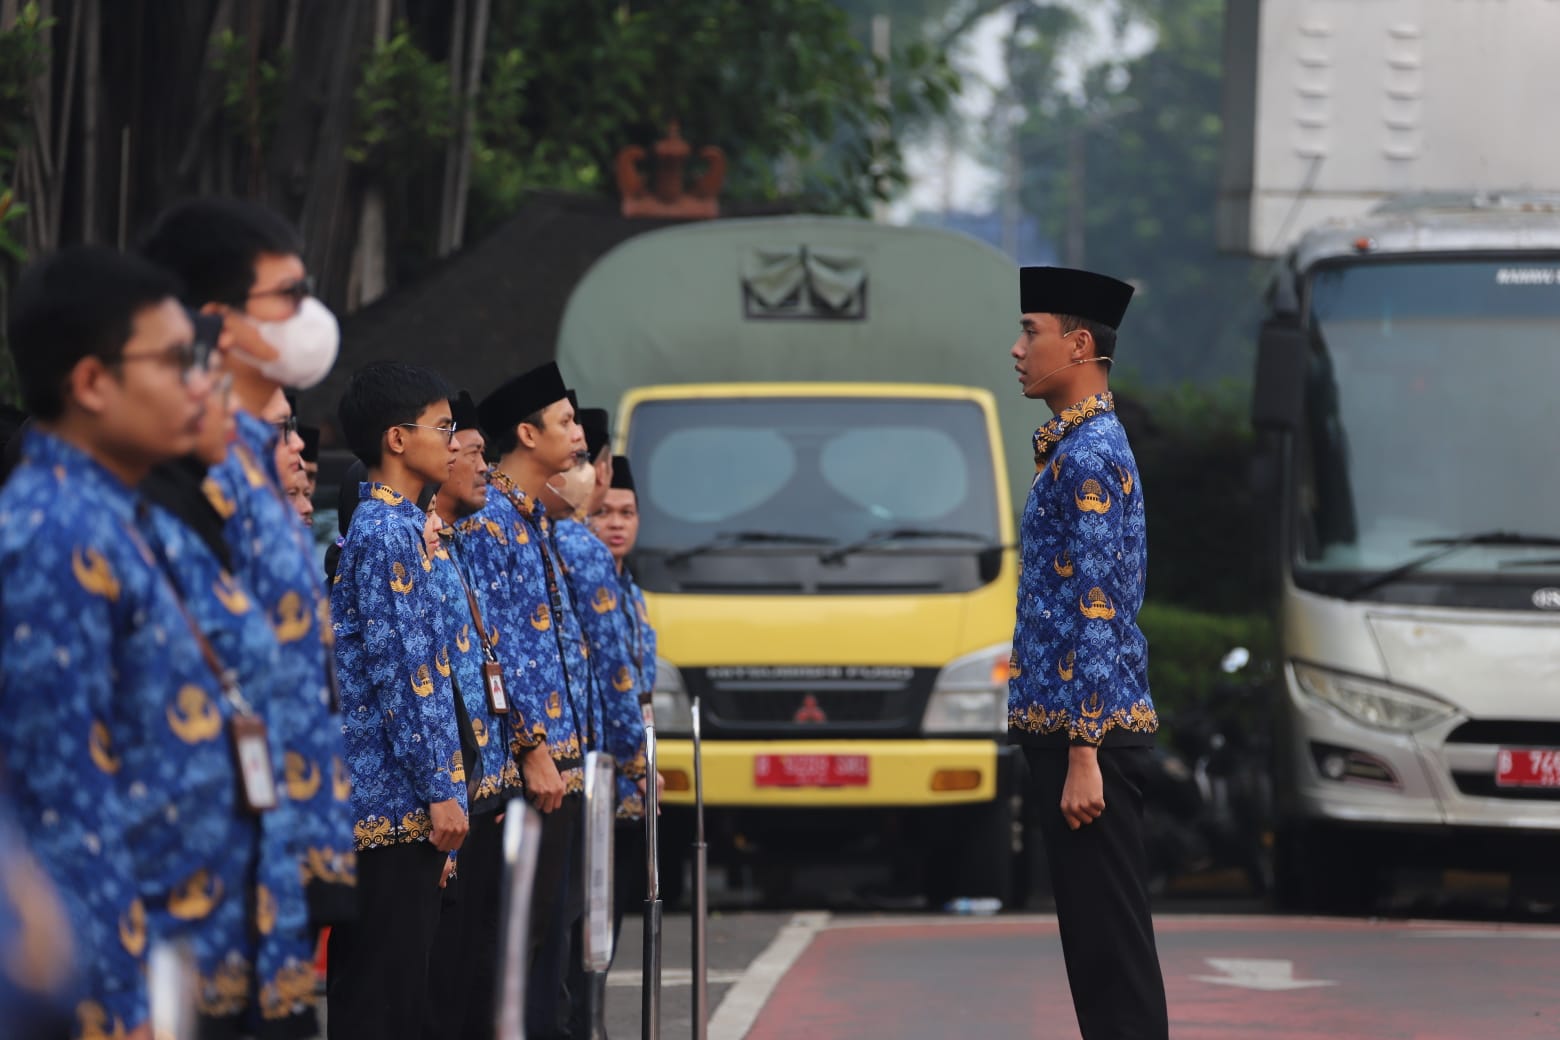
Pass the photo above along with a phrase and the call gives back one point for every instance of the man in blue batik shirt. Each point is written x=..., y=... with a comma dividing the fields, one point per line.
x=113, y=726
x=529, y=423
x=403, y=742
x=467, y=947
x=243, y=261
x=1078, y=696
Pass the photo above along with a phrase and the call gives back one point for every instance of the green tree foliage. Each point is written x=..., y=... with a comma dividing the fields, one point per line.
x=404, y=113
x=782, y=86
x=1149, y=128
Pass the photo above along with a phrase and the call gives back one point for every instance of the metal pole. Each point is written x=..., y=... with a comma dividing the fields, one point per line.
x=650, y=990
x=171, y=986
x=522, y=840
x=701, y=979
x=596, y=957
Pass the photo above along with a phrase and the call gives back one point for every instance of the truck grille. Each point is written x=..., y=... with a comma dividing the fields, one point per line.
x=801, y=702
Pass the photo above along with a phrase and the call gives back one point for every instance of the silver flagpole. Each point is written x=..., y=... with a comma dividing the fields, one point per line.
x=600, y=809
x=522, y=840
x=170, y=986
x=701, y=979
x=650, y=993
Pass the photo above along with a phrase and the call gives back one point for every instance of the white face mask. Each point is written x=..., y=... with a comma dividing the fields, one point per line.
x=306, y=346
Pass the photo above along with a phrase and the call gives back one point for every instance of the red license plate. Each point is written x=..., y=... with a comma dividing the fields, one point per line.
x=811, y=770
x=1528, y=768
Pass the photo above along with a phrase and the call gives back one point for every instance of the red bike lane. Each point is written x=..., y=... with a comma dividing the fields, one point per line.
x=1226, y=978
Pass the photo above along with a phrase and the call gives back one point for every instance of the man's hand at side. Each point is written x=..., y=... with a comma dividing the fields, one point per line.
x=1083, y=793
x=544, y=787
x=449, y=824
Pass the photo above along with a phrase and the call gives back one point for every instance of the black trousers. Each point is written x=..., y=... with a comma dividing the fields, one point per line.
x=463, y=974
x=557, y=900
x=376, y=982
x=1097, y=875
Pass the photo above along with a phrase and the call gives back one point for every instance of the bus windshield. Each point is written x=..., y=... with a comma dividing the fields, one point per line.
x=1428, y=385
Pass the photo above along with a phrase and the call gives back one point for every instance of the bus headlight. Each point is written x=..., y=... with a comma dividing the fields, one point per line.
x=1371, y=702
x=971, y=694
x=673, y=714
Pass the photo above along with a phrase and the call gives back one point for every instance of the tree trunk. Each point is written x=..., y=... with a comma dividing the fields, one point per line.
x=446, y=238
x=468, y=123
x=368, y=279
x=91, y=91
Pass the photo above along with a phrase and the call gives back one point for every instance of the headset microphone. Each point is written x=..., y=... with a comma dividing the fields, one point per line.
x=1082, y=361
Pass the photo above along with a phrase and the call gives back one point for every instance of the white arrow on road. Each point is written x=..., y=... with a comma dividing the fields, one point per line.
x=1248, y=973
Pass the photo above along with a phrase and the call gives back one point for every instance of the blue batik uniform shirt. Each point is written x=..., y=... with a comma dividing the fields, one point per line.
x=510, y=554
x=393, y=661
x=497, y=774
x=274, y=562
x=1080, y=664
x=244, y=641
x=603, y=610
x=114, y=735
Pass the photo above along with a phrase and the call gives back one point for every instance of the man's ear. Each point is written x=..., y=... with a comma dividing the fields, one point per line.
x=528, y=435
x=85, y=385
x=394, y=441
x=1084, y=347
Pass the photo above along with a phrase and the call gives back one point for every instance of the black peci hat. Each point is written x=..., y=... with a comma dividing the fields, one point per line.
x=523, y=396
x=1081, y=294
x=622, y=474
x=597, y=425
x=464, y=411
x=311, y=443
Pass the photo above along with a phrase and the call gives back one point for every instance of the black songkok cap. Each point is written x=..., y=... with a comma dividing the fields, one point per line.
x=622, y=475
x=1082, y=294
x=311, y=442
x=596, y=423
x=463, y=410
x=574, y=401
x=523, y=396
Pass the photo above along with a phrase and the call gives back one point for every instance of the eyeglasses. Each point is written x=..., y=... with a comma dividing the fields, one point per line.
x=448, y=431
x=188, y=358
x=286, y=427
x=295, y=291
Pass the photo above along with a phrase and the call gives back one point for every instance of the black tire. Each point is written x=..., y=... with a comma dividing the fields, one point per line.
x=986, y=862
x=1317, y=869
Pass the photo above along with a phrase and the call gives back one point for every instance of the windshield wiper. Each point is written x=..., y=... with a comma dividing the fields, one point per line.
x=896, y=534
x=729, y=538
x=1447, y=546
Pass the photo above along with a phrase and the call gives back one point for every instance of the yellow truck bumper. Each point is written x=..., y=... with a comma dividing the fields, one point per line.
x=899, y=773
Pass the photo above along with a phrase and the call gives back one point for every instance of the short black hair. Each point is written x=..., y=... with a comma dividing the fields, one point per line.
x=1104, y=335
x=77, y=303
x=507, y=439
x=382, y=395
x=212, y=245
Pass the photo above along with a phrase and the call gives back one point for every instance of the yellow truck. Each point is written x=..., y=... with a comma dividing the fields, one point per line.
x=829, y=563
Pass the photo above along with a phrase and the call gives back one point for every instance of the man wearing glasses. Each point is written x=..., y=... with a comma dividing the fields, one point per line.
x=244, y=263
x=396, y=650
x=113, y=727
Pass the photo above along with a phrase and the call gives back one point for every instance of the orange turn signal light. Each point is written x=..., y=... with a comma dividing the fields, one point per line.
x=954, y=780
x=676, y=780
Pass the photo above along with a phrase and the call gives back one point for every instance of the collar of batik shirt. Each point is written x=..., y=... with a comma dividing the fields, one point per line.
x=389, y=496
x=1050, y=435
x=529, y=506
x=86, y=476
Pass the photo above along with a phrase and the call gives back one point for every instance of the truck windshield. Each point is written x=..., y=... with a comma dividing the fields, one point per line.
x=827, y=470
x=1428, y=388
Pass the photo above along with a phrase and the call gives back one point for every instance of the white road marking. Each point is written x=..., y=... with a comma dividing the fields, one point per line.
x=738, y=1012
x=1253, y=973
x=672, y=977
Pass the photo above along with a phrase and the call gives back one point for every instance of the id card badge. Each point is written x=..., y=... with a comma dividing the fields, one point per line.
x=493, y=679
x=252, y=756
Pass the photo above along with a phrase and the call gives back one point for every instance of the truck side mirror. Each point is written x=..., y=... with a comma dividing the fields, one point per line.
x=1280, y=384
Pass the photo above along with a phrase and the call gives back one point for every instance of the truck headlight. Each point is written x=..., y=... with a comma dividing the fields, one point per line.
x=673, y=713
x=971, y=694
x=1371, y=702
